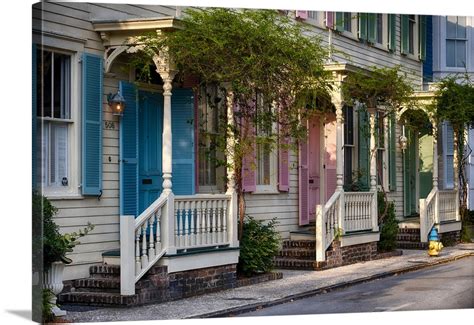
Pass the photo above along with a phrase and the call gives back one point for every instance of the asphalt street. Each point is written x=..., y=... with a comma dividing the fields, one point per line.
x=448, y=286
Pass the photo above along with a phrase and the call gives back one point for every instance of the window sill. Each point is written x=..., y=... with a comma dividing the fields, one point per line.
x=411, y=57
x=57, y=195
x=381, y=47
x=349, y=35
x=272, y=190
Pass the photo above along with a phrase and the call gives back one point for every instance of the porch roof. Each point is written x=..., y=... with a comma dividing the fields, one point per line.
x=136, y=24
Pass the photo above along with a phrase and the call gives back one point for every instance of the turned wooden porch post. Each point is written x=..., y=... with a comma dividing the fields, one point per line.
x=167, y=73
x=435, y=166
x=373, y=167
x=230, y=144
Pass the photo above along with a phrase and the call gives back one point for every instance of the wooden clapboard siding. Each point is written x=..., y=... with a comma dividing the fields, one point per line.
x=282, y=206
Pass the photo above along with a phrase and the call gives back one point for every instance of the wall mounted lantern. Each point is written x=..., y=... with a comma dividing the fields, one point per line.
x=403, y=140
x=116, y=103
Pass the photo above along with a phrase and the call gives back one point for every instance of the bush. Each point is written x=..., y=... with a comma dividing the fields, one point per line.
x=388, y=226
x=55, y=246
x=46, y=306
x=260, y=243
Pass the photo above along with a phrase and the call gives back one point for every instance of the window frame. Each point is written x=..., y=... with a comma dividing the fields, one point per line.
x=73, y=163
x=353, y=146
x=456, y=39
x=354, y=25
x=272, y=187
x=220, y=171
x=385, y=150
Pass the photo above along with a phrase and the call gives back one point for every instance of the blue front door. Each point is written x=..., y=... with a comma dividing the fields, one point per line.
x=150, y=126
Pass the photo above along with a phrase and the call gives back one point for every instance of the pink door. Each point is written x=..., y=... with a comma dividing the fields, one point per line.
x=330, y=155
x=314, y=165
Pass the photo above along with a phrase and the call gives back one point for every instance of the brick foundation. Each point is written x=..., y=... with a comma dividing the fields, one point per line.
x=450, y=238
x=339, y=256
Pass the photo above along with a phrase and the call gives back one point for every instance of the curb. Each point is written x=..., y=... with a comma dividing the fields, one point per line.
x=251, y=307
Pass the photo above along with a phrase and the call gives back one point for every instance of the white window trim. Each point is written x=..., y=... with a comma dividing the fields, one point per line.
x=73, y=189
x=354, y=27
x=318, y=21
x=355, y=125
x=466, y=39
x=385, y=37
x=271, y=188
x=385, y=156
x=416, y=45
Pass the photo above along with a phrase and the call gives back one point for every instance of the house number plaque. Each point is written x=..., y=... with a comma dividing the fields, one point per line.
x=109, y=125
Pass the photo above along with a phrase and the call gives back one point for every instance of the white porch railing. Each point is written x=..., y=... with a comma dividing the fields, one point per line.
x=328, y=219
x=448, y=204
x=201, y=220
x=358, y=210
x=428, y=214
x=171, y=223
x=344, y=212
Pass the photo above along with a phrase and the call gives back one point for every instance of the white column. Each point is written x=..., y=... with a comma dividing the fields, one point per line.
x=230, y=148
x=127, y=255
x=456, y=171
x=167, y=132
x=435, y=168
x=373, y=151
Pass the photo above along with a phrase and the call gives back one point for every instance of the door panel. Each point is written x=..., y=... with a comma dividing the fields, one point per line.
x=150, y=178
x=314, y=165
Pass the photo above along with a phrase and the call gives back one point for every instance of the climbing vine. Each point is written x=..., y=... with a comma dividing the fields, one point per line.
x=255, y=54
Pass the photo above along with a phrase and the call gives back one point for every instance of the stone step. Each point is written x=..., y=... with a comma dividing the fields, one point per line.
x=97, y=299
x=104, y=271
x=97, y=285
x=297, y=253
x=411, y=245
x=307, y=244
x=295, y=264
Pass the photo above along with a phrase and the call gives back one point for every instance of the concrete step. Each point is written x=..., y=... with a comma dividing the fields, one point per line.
x=298, y=253
x=295, y=264
x=97, y=299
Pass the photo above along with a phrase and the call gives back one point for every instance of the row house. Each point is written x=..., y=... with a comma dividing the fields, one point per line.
x=146, y=181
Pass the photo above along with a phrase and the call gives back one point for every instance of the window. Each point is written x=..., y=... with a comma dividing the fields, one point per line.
x=266, y=157
x=313, y=15
x=348, y=144
x=448, y=155
x=411, y=34
x=347, y=21
x=211, y=111
x=54, y=118
x=456, y=41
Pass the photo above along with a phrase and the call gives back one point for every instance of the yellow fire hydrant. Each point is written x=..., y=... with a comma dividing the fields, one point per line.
x=435, y=245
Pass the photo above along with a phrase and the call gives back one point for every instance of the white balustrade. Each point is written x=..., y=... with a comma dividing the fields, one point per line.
x=358, y=211
x=201, y=220
x=327, y=224
x=447, y=205
x=428, y=214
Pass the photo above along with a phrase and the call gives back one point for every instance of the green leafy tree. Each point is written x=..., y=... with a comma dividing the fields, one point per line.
x=248, y=52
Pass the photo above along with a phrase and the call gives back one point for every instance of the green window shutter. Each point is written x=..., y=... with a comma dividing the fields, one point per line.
x=404, y=34
x=364, y=139
x=392, y=145
x=392, y=32
x=422, y=37
x=371, y=27
x=362, y=26
x=339, y=21
x=92, y=124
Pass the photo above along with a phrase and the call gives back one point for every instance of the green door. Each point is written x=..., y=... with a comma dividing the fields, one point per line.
x=426, y=165
x=410, y=174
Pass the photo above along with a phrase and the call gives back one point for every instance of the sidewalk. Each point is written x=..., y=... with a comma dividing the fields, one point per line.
x=294, y=285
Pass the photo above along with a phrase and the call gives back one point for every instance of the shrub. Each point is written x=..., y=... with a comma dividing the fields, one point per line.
x=260, y=243
x=388, y=226
x=55, y=246
x=46, y=306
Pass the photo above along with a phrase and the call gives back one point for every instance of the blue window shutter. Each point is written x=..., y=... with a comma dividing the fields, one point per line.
x=92, y=93
x=129, y=151
x=33, y=117
x=182, y=128
x=364, y=136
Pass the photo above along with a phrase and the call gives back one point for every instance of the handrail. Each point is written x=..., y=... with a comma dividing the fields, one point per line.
x=327, y=223
x=428, y=214
x=158, y=203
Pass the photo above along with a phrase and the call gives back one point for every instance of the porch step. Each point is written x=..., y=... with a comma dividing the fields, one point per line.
x=298, y=264
x=104, y=271
x=409, y=238
x=411, y=245
x=298, y=253
x=98, y=284
x=98, y=298
x=308, y=244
